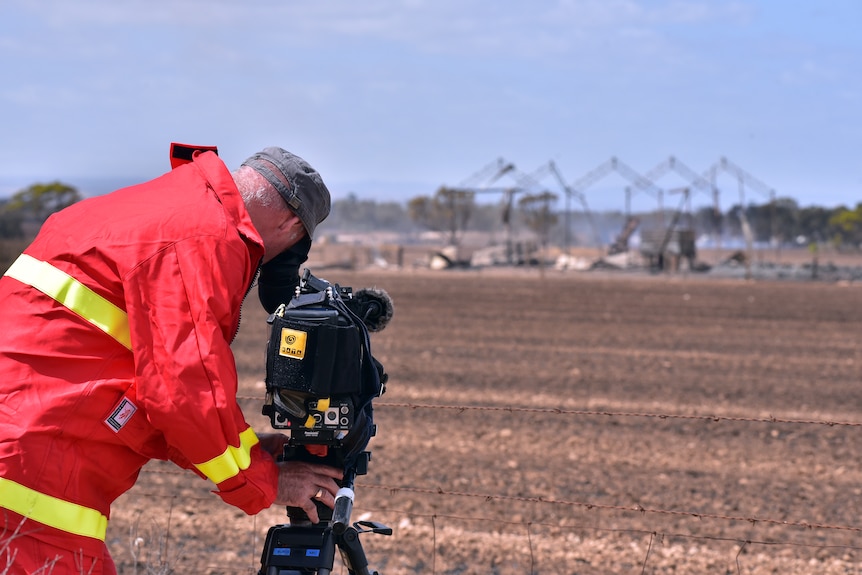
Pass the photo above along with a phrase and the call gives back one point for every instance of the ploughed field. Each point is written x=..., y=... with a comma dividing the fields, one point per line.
x=577, y=423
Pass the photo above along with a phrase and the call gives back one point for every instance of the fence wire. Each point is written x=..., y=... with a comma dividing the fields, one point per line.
x=655, y=535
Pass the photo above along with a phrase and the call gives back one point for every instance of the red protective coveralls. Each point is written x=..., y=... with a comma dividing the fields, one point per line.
x=95, y=382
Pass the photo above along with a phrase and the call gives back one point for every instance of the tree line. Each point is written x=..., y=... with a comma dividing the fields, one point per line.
x=780, y=222
x=452, y=212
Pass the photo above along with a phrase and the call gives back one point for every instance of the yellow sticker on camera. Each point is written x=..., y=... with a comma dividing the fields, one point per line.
x=292, y=343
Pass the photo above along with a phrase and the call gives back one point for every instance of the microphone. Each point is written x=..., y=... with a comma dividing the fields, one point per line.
x=373, y=306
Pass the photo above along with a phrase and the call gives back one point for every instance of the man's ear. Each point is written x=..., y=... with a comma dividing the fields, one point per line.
x=290, y=221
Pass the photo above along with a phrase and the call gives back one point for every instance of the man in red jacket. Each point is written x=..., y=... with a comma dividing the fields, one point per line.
x=115, y=349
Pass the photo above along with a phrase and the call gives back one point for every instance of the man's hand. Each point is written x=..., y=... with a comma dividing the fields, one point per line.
x=273, y=443
x=300, y=484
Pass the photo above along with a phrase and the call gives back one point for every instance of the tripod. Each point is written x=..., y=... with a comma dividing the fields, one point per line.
x=303, y=548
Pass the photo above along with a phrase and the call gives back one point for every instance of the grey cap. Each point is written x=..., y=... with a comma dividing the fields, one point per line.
x=298, y=183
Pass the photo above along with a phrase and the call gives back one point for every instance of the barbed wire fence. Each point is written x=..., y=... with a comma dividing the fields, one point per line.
x=814, y=535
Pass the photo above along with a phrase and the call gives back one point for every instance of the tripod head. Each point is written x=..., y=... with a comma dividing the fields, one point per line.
x=321, y=379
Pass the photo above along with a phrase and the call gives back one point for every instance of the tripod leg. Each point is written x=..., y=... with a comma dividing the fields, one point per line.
x=352, y=553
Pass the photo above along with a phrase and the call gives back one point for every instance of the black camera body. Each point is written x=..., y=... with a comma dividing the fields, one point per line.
x=320, y=374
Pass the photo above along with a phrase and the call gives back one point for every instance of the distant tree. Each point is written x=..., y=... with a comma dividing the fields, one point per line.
x=447, y=211
x=760, y=219
x=41, y=200
x=486, y=217
x=450, y=210
x=32, y=206
x=708, y=220
x=848, y=226
x=10, y=222
x=814, y=224
x=352, y=214
x=538, y=214
x=732, y=221
x=783, y=221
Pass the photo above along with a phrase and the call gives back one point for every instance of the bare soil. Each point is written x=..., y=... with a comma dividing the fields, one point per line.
x=577, y=423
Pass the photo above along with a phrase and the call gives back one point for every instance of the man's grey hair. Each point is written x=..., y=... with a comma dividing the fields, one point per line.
x=254, y=189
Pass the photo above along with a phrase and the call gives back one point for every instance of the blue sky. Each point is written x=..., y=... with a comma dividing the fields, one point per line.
x=390, y=99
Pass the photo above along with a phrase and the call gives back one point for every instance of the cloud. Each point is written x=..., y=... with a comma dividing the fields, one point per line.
x=462, y=28
x=419, y=86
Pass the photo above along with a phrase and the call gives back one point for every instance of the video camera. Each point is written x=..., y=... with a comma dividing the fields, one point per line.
x=321, y=379
x=320, y=374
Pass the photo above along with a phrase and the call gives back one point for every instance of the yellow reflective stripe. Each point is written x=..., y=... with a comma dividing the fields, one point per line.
x=234, y=459
x=51, y=511
x=74, y=295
